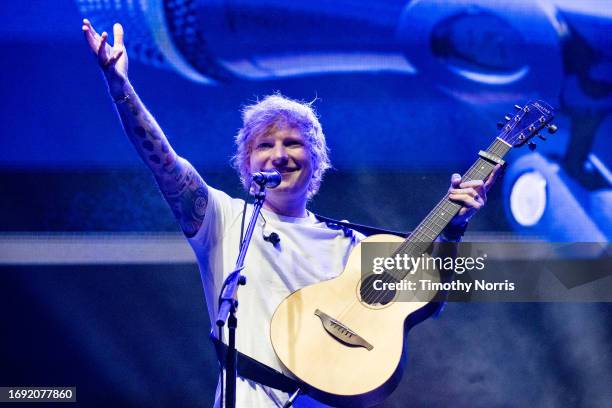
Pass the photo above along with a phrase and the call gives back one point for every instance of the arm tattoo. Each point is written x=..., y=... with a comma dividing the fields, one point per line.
x=187, y=195
x=181, y=185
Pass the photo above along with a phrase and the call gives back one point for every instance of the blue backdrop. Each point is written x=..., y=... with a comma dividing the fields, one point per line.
x=408, y=92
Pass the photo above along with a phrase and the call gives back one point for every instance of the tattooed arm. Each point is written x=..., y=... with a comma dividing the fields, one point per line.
x=180, y=184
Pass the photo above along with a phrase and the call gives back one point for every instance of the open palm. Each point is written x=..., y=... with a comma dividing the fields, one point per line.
x=112, y=59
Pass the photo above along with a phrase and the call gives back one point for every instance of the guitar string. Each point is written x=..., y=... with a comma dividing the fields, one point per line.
x=423, y=235
x=478, y=171
x=499, y=148
x=380, y=296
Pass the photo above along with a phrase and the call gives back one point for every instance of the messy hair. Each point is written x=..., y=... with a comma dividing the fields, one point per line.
x=279, y=111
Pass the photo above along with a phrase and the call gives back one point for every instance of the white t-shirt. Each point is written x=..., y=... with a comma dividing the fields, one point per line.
x=308, y=252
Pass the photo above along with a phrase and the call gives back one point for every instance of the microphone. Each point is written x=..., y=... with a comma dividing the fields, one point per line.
x=273, y=238
x=267, y=178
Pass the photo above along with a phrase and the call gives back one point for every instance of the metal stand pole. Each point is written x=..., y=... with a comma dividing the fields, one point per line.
x=228, y=304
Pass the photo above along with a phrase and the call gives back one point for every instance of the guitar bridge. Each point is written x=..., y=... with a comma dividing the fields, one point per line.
x=342, y=333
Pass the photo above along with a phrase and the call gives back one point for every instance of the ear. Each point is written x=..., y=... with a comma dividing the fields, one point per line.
x=247, y=164
x=248, y=171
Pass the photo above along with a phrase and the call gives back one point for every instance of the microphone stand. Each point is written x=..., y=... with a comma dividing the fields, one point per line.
x=228, y=303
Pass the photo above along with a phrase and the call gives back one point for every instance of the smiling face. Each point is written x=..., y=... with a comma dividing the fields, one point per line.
x=277, y=116
x=284, y=148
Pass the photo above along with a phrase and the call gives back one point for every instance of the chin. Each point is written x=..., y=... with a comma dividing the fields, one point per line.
x=283, y=189
x=286, y=189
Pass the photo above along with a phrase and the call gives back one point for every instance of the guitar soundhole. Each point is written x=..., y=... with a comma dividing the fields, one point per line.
x=371, y=292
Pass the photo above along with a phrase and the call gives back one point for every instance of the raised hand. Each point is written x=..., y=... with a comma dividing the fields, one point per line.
x=112, y=59
x=472, y=195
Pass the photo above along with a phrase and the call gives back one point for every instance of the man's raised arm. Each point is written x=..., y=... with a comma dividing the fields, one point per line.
x=181, y=185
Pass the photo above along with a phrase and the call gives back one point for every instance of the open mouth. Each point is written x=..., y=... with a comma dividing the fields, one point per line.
x=287, y=171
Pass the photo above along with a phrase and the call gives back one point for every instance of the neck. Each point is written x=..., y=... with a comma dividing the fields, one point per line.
x=294, y=208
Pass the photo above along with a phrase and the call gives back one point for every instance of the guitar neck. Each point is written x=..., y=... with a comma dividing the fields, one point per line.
x=438, y=218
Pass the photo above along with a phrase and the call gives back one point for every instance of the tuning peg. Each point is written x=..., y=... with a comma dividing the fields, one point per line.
x=552, y=128
x=541, y=137
x=532, y=146
x=500, y=125
x=508, y=118
x=517, y=107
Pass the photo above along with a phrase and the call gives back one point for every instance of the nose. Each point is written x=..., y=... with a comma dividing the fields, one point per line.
x=279, y=155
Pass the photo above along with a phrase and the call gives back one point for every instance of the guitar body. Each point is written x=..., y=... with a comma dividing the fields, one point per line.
x=336, y=372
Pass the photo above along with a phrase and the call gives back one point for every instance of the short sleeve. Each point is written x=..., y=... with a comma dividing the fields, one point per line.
x=220, y=211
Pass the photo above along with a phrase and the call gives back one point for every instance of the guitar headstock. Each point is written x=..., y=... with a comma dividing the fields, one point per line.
x=526, y=123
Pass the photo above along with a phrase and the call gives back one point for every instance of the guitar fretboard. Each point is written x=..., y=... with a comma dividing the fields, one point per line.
x=429, y=229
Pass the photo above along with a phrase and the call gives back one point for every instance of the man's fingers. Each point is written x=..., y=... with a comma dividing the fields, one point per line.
x=471, y=184
x=455, y=180
x=102, y=59
x=87, y=23
x=473, y=191
x=467, y=191
x=91, y=36
x=115, y=57
x=103, y=39
x=118, y=35
x=467, y=200
x=471, y=195
x=492, y=177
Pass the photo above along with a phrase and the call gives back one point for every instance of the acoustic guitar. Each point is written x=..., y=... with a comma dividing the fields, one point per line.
x=346, y=342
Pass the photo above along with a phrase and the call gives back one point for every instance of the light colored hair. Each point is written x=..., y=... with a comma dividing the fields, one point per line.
x=279, y=111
